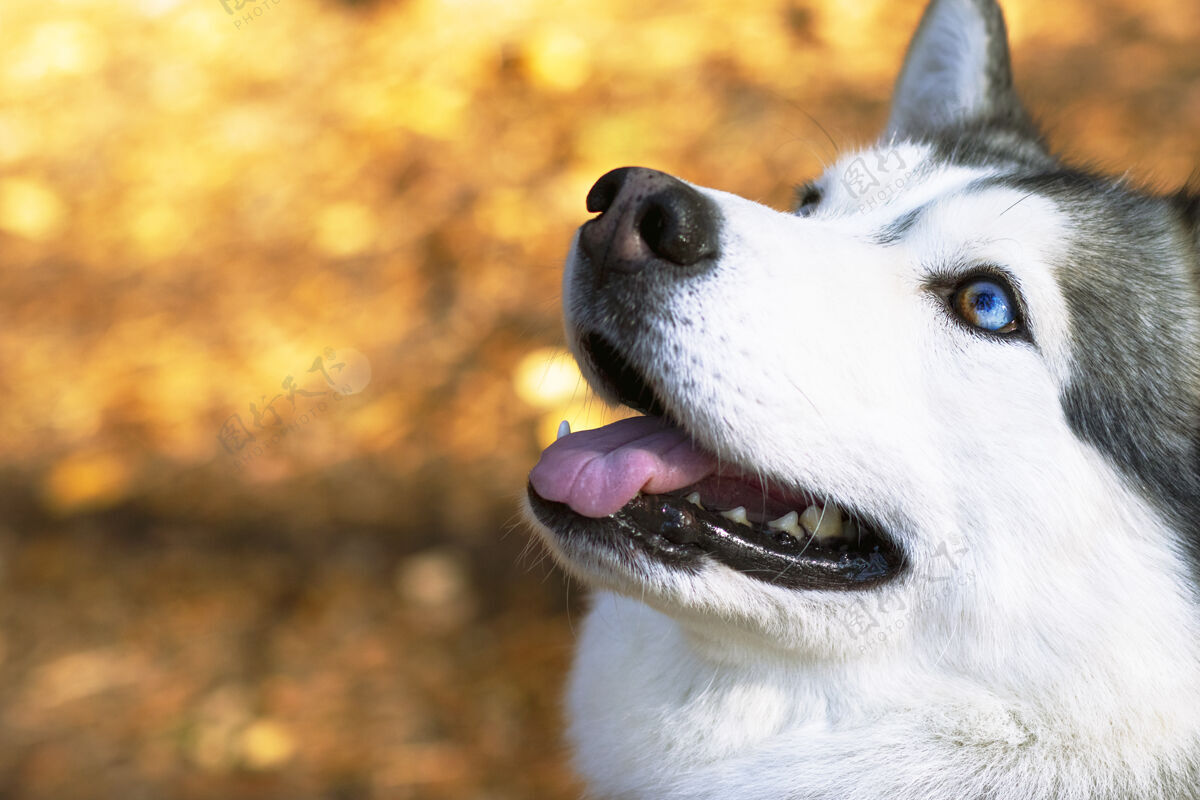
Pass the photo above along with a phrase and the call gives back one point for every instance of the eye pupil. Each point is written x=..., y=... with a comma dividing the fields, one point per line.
x=986, y=305
x=985, y=302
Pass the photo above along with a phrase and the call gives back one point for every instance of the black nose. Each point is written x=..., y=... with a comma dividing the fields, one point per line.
x=647, y=219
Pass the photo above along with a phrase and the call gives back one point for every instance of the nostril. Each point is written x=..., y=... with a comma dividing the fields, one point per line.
x=602, y=194
x=679, y=225
x=653, y=226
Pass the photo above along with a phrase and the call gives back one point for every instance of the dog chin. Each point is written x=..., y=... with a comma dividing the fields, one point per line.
x=723, y=610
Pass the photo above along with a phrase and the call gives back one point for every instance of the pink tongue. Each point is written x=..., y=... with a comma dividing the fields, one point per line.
x=596, y=472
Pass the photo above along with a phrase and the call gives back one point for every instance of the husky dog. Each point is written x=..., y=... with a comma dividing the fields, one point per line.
x=913, y=511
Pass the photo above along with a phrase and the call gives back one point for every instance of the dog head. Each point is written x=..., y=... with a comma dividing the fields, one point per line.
x=944, y=383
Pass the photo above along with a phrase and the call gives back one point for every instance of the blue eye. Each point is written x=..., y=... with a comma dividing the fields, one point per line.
x=986, y=304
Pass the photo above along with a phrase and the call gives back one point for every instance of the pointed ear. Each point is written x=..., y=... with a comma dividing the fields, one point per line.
x=957, y=73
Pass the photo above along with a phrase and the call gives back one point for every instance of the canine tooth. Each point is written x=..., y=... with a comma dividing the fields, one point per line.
x=787, y=523
x=564, y=428
x=823, y=523
x=694, y=499
x=737, y=515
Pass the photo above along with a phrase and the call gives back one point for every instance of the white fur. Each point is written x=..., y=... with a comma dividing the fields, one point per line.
x=1059, y=660
x=1062, y=658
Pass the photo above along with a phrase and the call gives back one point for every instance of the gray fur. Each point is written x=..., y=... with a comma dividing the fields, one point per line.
x=1131, y=283
x=1132, y=290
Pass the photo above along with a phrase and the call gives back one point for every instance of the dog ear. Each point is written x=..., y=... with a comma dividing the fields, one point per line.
x=957, y=73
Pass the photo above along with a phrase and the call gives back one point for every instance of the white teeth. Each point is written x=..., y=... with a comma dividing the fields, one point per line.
x=737, y=515
x=564, y=428
x=823, y=523
x=694, y=499
x=787, y=523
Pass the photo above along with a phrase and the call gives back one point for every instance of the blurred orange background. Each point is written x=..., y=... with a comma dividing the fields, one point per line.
x=280, y=341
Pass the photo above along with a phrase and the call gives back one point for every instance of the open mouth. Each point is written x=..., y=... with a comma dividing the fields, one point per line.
x=643, y=485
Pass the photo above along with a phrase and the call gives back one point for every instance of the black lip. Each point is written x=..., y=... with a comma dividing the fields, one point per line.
x=681, y=535
x=620, y=377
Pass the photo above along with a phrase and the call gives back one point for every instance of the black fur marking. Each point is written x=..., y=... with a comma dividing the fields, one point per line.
x=894, y=231
x=1187, y=204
